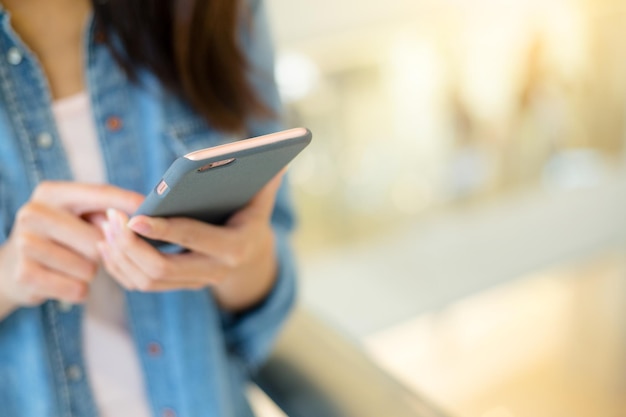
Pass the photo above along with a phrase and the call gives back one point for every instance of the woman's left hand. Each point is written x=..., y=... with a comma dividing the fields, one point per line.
x=237, y=260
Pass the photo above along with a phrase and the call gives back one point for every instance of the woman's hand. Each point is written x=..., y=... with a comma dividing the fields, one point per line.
x=51, y=252
x=238, y=259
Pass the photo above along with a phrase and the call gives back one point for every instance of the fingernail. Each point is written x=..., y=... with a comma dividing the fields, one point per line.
x=108, y=234
x=140, y=226
x=114, y=222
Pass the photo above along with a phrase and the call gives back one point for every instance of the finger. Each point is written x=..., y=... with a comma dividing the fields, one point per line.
x=58, y=258
x=122, y=246
x=145, y=257
x=120, y=268
x=85, y=198
x=189, y=270
x=262, y=204
x=61, y=227
x=164, y=286
x=206, y=238
x=97, y=219
x=194, y=235
x=50, y=284
x=112, y=268
x=126, y=271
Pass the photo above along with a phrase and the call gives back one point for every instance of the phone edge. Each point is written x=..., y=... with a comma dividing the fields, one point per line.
x=242, y=145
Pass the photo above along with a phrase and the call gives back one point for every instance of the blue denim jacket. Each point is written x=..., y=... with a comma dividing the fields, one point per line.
x=206, y=355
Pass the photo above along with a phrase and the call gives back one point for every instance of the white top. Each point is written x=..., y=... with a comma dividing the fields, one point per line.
x=110, y=355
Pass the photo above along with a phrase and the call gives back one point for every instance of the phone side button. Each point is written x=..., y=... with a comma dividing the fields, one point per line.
x=162, y=187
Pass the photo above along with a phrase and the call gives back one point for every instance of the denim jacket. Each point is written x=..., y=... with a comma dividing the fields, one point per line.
x=205, y=355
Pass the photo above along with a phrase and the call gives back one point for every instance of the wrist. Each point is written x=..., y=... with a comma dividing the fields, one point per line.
x=7, y=305
x=246, y=290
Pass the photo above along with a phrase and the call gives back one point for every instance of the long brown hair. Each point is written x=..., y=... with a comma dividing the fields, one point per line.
x=191, y=46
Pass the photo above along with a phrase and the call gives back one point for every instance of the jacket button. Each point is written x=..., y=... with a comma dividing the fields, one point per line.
x=154, y=349
x=100, y=37
x=44, y=140
x=114, y=123
x=168, y=412
x=74, y=373
x=14, y=56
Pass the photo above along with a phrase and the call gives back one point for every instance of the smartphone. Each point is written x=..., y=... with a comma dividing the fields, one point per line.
x=211, y=184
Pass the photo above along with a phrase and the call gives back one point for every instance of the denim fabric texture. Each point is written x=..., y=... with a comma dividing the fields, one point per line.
x=205, y=355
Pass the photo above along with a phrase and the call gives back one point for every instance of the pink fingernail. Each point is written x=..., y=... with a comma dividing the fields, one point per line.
x=140, y=227
x=117, y=222
x=108, y=234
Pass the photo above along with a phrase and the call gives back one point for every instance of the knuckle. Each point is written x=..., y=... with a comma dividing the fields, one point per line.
x=33, y=299
x=221, y=276
x=24, y=242
x=78, y=292
x=218, y=276
x=237, y=255
x=89, y=270
x=93, y=269
x=181, y=230
x=160, y=270
x=91, y=252
x=27, y=275
x=26, y=214
x=44, y=189
x=102, y=188
x=145, y=284
x=123, y=243
x=108, y=188
x=24, y=279
x=163, y=228
x=74, y=293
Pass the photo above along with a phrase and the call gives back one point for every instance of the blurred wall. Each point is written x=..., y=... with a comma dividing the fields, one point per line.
x=462, y=204
x=425, y=106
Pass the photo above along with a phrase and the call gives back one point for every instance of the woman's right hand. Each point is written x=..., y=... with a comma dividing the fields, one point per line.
x=51, y=252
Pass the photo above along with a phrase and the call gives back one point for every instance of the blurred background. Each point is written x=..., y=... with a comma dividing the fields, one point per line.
x=463, y=204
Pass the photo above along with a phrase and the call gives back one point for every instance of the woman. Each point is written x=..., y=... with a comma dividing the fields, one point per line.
x=93, y=321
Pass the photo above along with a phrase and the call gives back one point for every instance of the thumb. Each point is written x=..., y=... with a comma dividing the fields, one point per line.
x=85, y=198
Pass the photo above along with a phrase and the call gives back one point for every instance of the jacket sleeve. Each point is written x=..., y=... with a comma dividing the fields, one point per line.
x=4, y=226
x=251, y=334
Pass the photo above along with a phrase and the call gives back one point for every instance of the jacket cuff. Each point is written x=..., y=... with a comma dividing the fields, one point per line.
x=251, y=334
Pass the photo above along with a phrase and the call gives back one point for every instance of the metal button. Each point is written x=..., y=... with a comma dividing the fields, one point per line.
x=65, y=307
x=74, y=373
x=14, y=56
x=45, y=140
